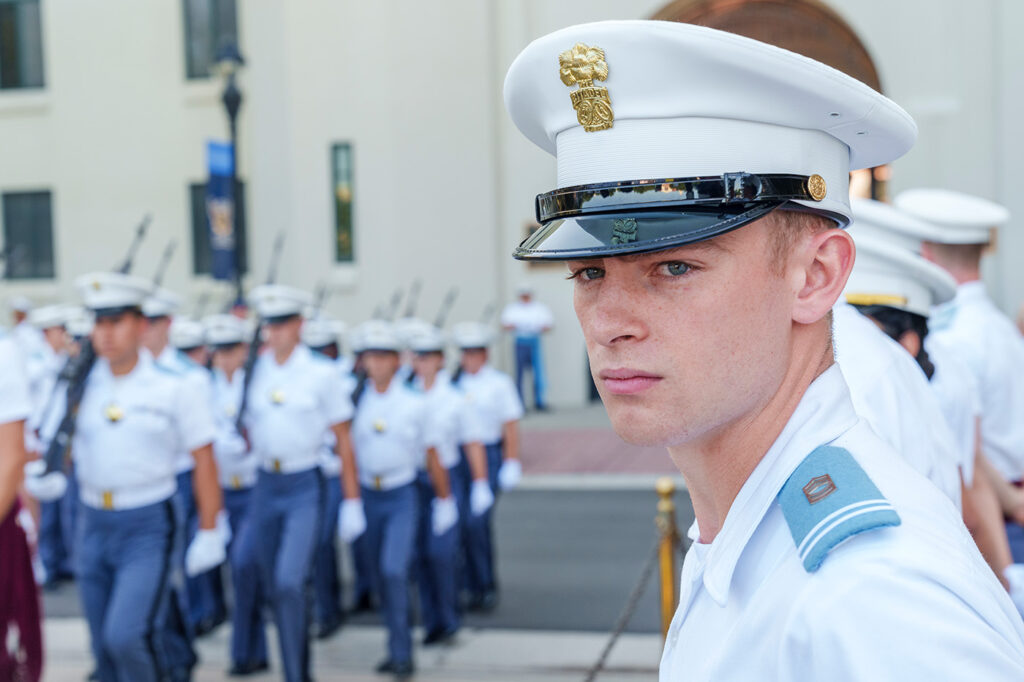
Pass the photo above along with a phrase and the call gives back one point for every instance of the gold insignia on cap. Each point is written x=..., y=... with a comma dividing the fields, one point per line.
x=816, y=187
x=624, y=231
x=380, y=426
x=96, y=284
x=818, y=488
x=876, y=299
x=277, y=396
x=582, y=65
x=113, y=413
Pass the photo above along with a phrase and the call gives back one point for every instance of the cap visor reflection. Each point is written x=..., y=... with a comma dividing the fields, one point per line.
x=598, y=236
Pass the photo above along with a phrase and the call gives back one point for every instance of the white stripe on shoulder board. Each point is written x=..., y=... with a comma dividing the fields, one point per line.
x=842, y=510
x=847, y=517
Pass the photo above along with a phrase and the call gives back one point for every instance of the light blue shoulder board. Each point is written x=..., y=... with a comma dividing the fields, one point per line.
x=829, y=498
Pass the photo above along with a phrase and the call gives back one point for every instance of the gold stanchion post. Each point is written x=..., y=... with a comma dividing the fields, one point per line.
x=666, y=522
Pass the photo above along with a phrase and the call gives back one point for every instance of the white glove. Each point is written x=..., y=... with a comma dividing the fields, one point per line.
x=223, y=526
x=510, y=474
x=45, y=488
x=206, y=551
x=351, y=520
x=445, y=514
x=481, y=497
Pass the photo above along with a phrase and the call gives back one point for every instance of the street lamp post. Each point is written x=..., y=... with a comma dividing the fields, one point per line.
x=229, y=60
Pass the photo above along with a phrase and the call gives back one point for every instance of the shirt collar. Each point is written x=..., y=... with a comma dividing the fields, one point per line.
x=970, y=291
x=824, y=413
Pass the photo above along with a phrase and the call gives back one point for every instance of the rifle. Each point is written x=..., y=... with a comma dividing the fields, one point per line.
x=254, y=345
x=204, y=300
x=320, y=298
x=396, y=300
x=165, y=259
x=446, y=307
x=76, y=372
x=414, y=296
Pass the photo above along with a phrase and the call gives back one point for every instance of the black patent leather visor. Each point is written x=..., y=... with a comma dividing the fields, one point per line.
x=590, y=221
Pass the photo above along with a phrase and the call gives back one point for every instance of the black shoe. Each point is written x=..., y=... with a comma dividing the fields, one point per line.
x=328, y=628
x=94, y=676
x=488, y=601
x=52, y=585
x=364, y=604
x=400, y=669
x=439, y=636
x=250, y=668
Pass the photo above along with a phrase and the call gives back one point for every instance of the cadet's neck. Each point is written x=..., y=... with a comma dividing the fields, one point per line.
x=156, y=347
x=119, y=367
x=428, y=379
x=383, y=384
x=716, y=466
x=281, y=355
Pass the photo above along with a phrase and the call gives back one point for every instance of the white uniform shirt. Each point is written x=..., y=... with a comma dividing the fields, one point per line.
x=330, y=463
x=28, y=338
x=390, y=435
x=236, y=466
x=527, y=319
x=496, y=399
x=453, y=420
x=14, y=397
x=43, y=369
x=892, y=394
x=974, y=330
x=910, y=602
x=957, y=392
x=291, y=407
x=155, y=416
x=199, y=386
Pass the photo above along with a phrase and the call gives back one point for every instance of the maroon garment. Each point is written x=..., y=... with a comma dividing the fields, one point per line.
x=19, y=606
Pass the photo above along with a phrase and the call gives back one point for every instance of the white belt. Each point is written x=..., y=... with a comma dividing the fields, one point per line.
x=389, y=481
x=237, y=481
x=291, y=465
x=127, y=498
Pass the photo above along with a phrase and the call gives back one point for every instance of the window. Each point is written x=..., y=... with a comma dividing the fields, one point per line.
x=28, y=233
x=202, y=257
x=341, y=170
x=21, y=45
x=208, y=25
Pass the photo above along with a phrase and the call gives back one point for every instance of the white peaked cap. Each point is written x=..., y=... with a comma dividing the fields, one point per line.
x=162, y=303
x=378, y=335
x=472, y=335
x=21, y=304
x=49, y=316
x=955, y=217
x=889, y=275
x=278, y=300
x=428, y=340
x=80, y=321
x=222, y=330
x=187, y=333
x=322, y=331
x=110, y=290
x=409, y=327
x=693, y=101
x=887, y=223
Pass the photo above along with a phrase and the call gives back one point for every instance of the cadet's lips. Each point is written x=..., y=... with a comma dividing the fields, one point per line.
x=627, y=381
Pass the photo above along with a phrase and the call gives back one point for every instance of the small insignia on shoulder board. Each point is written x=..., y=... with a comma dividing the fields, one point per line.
x=829, y=498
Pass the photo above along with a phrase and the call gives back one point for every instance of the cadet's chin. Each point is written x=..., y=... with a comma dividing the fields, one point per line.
x=637, y=426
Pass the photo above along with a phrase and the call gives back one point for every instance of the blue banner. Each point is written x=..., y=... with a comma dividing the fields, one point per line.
x=220, y=209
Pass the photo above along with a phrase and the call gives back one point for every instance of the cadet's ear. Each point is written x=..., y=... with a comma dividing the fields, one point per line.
x=822, y=261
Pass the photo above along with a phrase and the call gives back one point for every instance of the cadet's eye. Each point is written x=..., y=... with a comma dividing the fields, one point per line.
x=587, y=274
x=675, y=268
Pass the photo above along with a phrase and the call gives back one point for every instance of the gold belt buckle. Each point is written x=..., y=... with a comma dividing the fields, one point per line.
x=108, y=500
x=235, y=482
x=277, y=466
x=376, y=483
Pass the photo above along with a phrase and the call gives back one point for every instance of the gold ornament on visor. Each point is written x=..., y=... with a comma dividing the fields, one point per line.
x=816, y=187
x=582, y=65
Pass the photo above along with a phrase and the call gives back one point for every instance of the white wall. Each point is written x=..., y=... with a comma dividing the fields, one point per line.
x=444, y=184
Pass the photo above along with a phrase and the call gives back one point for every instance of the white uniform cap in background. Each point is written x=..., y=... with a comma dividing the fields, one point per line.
x=409, y=327
x=322, y=331
x=187, y=333
x=472, y=335
x=108, y=293
x=524, y=289
x=887, y=223
x=80, y=322
x=50, y=316
x=955, y=217
x=20, y=304
x=225, y=330
x=669, y=101
x=378, y=335
x=279, y=301
x=428, y=340
x=889, y=275
x=162, y=303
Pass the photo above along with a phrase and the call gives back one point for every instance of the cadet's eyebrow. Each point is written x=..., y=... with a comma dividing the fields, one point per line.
x=707, y=245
